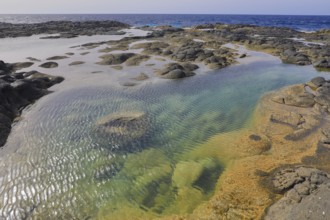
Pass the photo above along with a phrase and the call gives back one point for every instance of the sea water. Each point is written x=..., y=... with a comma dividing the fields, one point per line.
x=298, y=22
x=62, y=168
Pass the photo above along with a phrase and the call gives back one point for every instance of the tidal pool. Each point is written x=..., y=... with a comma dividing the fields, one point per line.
x=56, y=165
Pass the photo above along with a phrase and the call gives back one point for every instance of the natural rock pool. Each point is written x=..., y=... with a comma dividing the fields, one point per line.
x=59, y=164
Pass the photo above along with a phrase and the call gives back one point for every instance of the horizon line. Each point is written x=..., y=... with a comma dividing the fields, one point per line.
x=89, y=13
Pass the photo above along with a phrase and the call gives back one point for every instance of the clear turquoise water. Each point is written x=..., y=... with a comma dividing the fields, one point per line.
x=63, y=169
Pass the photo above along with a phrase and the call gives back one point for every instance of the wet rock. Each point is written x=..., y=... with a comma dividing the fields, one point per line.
x=49, y=65
x=189, y=66
x=190, y=51
x=33, y=59
x=155, y=48
x=141, y=77
x=323, y=63
x=18, y=90
x=84, y=53
x=57, y=58
x=115, y=59
x=216, y=62
x=291, y=56
x=76, y=63
x=136, y=60
x=174, y=71
x=21, y=65
x=316, y=82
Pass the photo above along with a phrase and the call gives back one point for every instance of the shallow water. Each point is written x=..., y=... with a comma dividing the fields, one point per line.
x=56, y=165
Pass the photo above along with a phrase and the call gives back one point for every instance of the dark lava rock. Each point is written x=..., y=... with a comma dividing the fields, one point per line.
x=21, y=65
x=136, y=60
x=76, y=63
x=242, y=55
x=33, y=59
x=57, y=58
x=190, y=66
x=115, y=59
x=174, y=71
x=49, y=65
x=84, y=53
x=316, y=82
x=155, y=48
x=322, y=63
x=65, y=29
x=205, y=26
x=291, y=56
x=255, y=137
x=18, y=90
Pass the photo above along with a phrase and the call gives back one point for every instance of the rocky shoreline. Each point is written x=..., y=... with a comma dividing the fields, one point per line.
x=305, y=185
x=18, y=90
x=62, y=29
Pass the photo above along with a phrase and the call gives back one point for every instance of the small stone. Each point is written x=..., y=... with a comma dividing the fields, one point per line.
x=302, y=189
x=57, y=58
x=255, y=137
x=293, y=195
x=76, y=63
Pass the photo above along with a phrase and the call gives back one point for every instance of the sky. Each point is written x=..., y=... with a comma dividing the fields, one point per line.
x=285, y=7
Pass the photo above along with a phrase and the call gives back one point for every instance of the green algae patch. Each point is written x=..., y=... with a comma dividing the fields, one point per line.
x=159, y=188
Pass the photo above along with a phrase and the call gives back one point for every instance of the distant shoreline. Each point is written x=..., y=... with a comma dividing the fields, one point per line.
x=297, y=22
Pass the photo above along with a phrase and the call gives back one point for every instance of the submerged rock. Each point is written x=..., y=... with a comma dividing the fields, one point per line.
x=49, y=65
x=141, y=77
x=123, y=127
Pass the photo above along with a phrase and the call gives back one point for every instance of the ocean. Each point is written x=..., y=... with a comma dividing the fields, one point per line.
x=298, y=22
